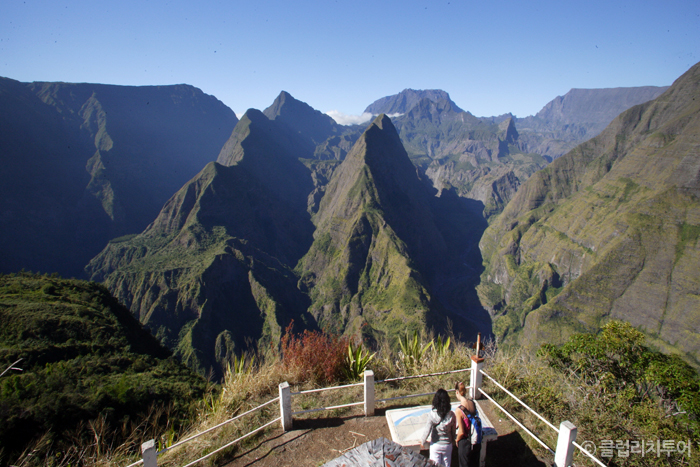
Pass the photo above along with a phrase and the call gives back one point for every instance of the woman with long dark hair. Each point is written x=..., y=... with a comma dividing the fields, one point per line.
x=441, y=429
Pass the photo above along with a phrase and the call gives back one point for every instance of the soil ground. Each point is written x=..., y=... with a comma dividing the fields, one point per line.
x=315, y=441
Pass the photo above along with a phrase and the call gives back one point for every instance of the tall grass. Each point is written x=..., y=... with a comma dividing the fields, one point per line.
x=599, y=410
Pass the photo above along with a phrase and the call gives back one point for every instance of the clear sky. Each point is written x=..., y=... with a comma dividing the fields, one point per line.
x=492, y=56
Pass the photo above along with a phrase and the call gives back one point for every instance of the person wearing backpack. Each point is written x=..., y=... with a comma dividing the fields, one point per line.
x=470, y=429
x=440, y=428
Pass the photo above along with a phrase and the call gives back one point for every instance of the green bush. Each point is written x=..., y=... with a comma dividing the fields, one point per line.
x=85, y=359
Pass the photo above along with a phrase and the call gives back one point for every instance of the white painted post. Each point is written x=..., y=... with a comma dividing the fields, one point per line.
x=369, y=393
x=149, y=453
x=564, y=455
x=475, y=378
x=286, y=406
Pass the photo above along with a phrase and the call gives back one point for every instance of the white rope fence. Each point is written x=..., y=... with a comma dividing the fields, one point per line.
x=563, y=454
x=578, y=446
x=217, y=426
x=233, y=442
x=519, y=401
x=152, y=454
x=309, y=391
x=327, y=408
x=515, y=420
x=589, y=454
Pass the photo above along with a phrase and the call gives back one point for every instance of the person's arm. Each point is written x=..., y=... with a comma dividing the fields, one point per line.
x=466, y=403
x=461, y=427
x=426, y=431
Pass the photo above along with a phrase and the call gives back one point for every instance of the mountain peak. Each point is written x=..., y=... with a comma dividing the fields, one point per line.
x=508, y=131
x=301, y=118
x=407, y=99
x=380, y=147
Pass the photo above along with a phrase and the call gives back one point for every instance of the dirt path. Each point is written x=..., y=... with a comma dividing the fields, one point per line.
x=314, y=442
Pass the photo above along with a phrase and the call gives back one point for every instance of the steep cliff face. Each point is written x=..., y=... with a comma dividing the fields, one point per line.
x=405, y=100
x=579, y=115
x=608, y=231
x=213, y=271
x=269, y=234
x=385, y=245
x=479, y=158
x=91, y=162
x=148, y=141
x=363, y=267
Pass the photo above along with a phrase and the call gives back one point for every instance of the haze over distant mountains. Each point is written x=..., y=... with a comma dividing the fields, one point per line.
x=363, y=230
x=580, y=115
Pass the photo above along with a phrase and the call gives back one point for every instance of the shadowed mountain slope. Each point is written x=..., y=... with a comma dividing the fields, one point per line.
x=302, y=118
x=85, y=360
x=213, y=270
x=610, y=230
x=90, y=162
x=379, y=242
x=234, y=256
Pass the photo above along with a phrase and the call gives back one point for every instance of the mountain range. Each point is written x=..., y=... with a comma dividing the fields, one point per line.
x=242, y=249
x=369, y=231
x=487, y=159
x=610, y=230
x=85, y=163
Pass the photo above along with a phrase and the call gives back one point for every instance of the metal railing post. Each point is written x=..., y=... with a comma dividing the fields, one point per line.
x=286, y=406
x=149, y=453
x=475, y=377
x=564, y=455
x=369, y=393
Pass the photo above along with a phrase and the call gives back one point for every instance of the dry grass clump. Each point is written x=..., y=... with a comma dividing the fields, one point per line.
x=101, y=450
x=296, y=362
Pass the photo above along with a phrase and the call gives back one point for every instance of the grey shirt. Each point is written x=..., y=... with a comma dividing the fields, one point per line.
x=440, y=431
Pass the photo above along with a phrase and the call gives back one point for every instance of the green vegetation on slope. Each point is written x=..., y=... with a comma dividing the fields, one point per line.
x=85, y=360
x=616, y=220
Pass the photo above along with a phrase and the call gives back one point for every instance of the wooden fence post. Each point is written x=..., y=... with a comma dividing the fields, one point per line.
x=564, y=455
x=369, y=393
x=286, y=406
x=149, y=453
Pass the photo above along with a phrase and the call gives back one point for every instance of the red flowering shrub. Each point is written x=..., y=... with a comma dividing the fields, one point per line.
x=316, y=356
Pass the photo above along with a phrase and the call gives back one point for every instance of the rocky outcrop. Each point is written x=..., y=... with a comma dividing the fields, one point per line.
x=471, y=155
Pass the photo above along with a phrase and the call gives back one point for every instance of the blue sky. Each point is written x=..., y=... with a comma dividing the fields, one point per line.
x=492, y=57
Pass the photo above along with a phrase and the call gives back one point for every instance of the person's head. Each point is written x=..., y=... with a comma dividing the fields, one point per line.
x=461, y=388
x=441, y=402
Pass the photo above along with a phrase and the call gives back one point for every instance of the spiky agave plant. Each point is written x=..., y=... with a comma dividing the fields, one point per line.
x=441, y=346
x=413, y=350
x=356, y=362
